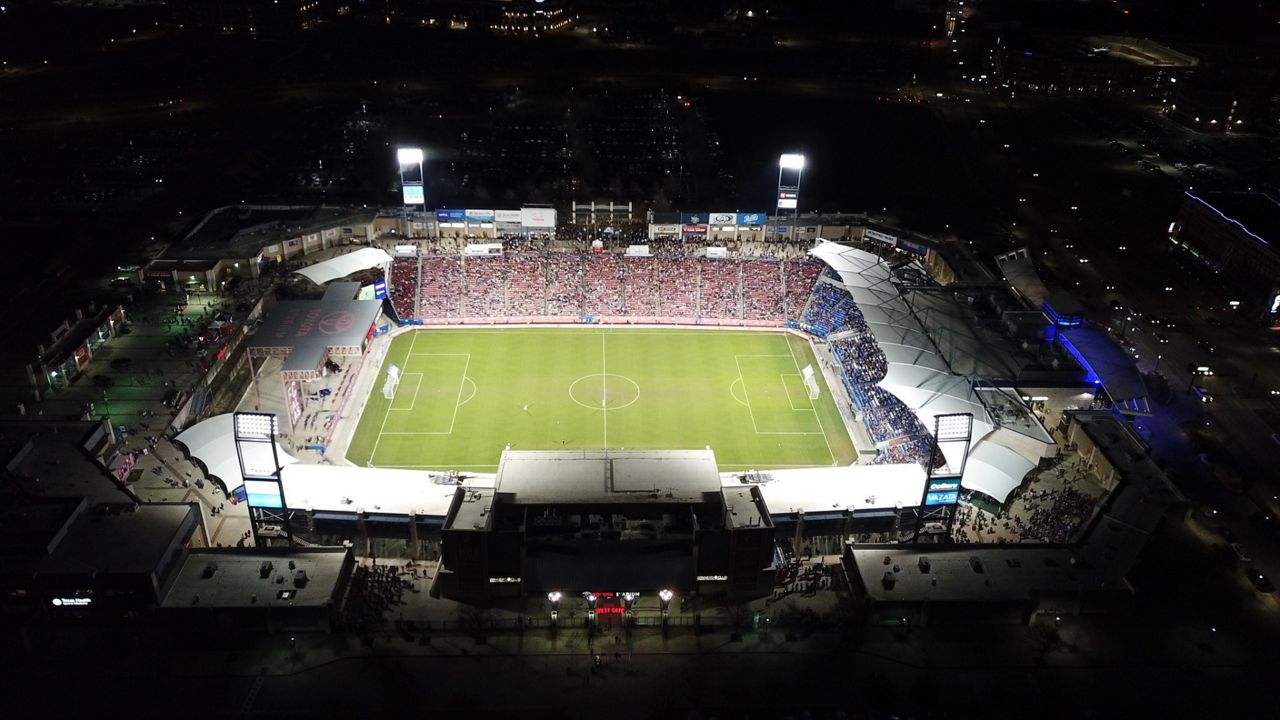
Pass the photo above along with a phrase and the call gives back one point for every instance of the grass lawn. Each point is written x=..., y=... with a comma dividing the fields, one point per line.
x=465, y=394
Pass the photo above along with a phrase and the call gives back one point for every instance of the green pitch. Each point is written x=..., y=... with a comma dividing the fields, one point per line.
x=465, y=394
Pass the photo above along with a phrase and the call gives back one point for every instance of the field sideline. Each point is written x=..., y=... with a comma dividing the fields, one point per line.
x=466, y=394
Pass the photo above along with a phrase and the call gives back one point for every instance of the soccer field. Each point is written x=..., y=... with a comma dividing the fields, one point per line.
x=466, y=394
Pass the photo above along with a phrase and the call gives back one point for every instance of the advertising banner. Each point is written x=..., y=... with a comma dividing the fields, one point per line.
x=723, y=218
x=451, y=215
x=538, y=217
x=752, y=218
x=665, y=229
x=413, y=195
x=693, y=229
x=693, y=218
x=506, y=216
x=479, y=216
x=911, y=247
x=878, y=236
x=787, y=199
x=380, y=290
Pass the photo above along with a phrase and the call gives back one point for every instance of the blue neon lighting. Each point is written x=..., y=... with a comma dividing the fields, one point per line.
x=1090, y=374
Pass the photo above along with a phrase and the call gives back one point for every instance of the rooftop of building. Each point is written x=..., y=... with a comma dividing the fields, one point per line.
x=33, y=527
x=235, y=578
x=241, y=231
x=622, y=476
x=1140, y=51
x=132, y=540
x=50, y=459
x=977, y=574
x=1257, y=214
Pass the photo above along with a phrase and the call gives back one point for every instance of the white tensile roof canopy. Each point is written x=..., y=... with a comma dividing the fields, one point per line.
x=343, y=265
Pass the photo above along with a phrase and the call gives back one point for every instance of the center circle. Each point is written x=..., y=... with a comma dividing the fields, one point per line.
x=604, y=391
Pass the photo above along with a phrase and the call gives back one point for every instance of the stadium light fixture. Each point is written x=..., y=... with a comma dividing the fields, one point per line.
x=409, y=156
x=791, y=161
x=256, y=426
x=554, y=596
x=665, y=595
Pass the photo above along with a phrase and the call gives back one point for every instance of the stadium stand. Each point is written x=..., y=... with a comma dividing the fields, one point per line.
x=403, y=286
x=799, y=277
x=441, y=287
x=485, y=287
x=678, y=286
x=564, y=284
x=720, y=288
x=526, y=285
x=762, y=290
x=604, y=285
x=641, y=295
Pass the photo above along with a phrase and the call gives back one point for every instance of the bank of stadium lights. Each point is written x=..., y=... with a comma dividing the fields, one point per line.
x=791, y=161
x=256, y=426
x=409, y=156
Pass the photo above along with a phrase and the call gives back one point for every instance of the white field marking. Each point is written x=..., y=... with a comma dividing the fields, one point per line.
x=416, y=388
x=414, y=354
x=746, y=395
x=733, y=385
x=604, y=389
x=787, y=390
x=474, y=389
x=752, y=412
x=816, y=414
x=374, y=453
x=457, y=401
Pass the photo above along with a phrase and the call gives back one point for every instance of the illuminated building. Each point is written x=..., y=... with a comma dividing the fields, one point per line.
x=533, y=17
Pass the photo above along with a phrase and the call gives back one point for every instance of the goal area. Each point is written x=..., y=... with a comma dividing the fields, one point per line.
x=392, y=382
x=810, y=382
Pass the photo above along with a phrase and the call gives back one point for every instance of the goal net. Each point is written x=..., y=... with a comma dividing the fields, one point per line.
x=810, y=382
x=392, y=382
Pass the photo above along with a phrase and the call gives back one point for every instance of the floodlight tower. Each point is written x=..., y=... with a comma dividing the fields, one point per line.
x=790, y=168
x=412, y=190
x=255, y=437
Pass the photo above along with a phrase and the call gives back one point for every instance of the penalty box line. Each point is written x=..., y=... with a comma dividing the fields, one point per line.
x=737, y=360
x=457, y=401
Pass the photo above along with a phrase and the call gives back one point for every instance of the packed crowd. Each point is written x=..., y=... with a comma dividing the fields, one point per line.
x=403, y=286
x=1054, y=514
x=897, y=432
x=761, y=290
x=831, y=308
x=719, y=284
x=440, y=287
x=485, y=290
x=600, y=284
x=605, y=275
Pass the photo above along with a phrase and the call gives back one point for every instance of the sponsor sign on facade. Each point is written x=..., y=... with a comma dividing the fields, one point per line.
x=752, y=218
x=693, y=218
x=878, y=236
x=724, y=218
x=665, y=229
x=506, y=216
x=451, y=215
x=538, y=217
x=413, y=195
x=479, y=216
